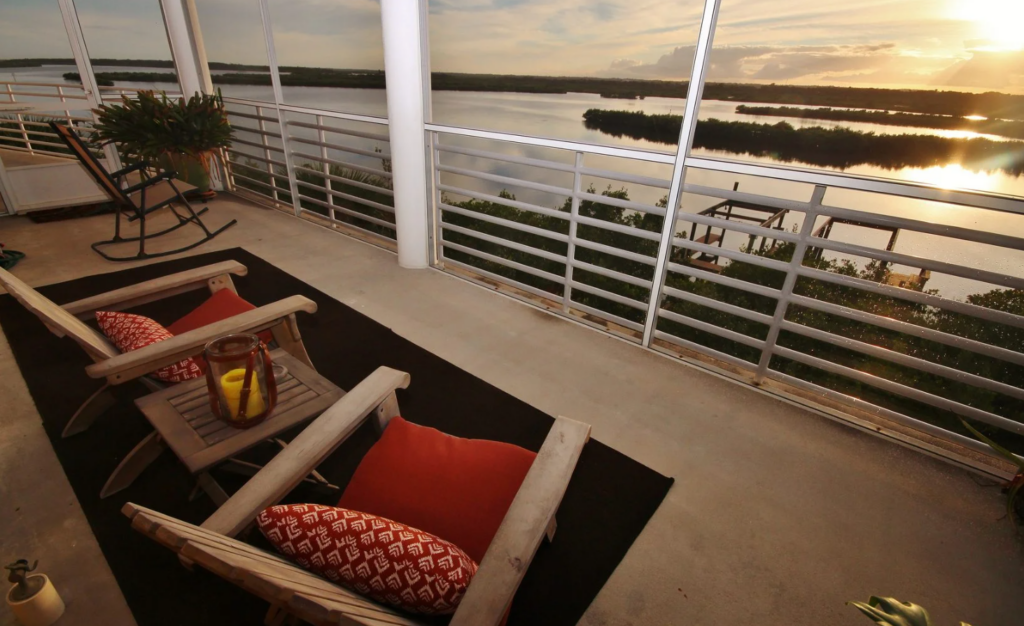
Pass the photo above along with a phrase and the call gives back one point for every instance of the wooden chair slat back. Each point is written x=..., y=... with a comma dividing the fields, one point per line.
x=90, y=162
x=269, y=576
x=57, y=319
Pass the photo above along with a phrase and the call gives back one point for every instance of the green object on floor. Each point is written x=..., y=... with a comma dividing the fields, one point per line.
x=10, y=258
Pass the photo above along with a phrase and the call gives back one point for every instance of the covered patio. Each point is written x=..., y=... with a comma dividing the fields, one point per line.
x=779, y=514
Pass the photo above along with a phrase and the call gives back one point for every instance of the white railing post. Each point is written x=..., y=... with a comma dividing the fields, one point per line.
x=275, y=79
x=186, y=45
x=403, y=65
x=574, y=212
x=689, y=125
x=792, y=274
x=91, y=89
x=266, y=150
x=21, y=125
x=321, y=135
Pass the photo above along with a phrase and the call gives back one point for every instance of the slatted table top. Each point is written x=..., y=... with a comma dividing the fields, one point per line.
x=182, y=414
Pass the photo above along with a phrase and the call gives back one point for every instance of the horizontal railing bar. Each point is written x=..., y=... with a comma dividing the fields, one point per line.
x=735, y=255
x=728, y=281
x=740, y=227
x=717, y=305
x=508, y=158
x=340, y=131
x=625, y=204
x=603, y=271
x=340, y=147
x=352, y=117
x=992, y=315
x=34, y=150
x=254, y=116
x=522, y=267
x=259, y=182
x=702, y=349
x=908, y=328
x=623, y=254
x=351, y=166
x=255, y=131
x=902, y=390
x=629, y=153
x=24, y=84
x=38, y=142
x=347, y=225
x=618, y=228
x=258, y=158
x=931, y=228
x=255, y=169
x=899, y=418
x=544, y=254
x=496, y=178
x=712, y=329
x=921, y=191
x=27, y=132
x=347, y=181
x=36, y=94
x=483, y=217
x=605, y=315
x=905, y=360
x=257, y=145
x=986, y=276
x=348, y=211
x=498, y=278
x=349, y=197
x=608, y=295
x=517, y=204
x=745, y=197
x=646, y=181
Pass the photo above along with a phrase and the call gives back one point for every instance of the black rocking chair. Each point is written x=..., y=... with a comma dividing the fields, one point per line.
x=138, y=200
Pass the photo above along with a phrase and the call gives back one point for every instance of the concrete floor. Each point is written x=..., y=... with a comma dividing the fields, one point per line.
x=778, y=515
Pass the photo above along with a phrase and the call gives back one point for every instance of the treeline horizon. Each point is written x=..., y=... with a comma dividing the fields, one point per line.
x=936, y=102
x=1004, y=128
x=838, y=148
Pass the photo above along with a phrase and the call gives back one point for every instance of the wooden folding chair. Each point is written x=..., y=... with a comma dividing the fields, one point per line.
x=296, y=594
x=117, y=368
x=138, y=200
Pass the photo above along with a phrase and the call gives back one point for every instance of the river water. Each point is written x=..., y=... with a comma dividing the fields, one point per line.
x=559, y=116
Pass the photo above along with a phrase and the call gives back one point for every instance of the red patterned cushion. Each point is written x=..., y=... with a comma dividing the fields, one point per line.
x=388, y=562
x=130, y=332
x=458, y=489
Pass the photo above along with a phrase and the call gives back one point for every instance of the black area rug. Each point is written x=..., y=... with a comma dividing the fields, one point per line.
x=609, y=501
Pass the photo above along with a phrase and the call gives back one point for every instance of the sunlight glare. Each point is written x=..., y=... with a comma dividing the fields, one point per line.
x=952, y=176
x=998, y=21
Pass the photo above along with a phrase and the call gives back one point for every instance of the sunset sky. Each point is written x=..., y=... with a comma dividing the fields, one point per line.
x=977, y=44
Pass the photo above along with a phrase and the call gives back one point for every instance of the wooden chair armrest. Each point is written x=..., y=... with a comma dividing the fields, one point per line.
x=510, y=553
x=150, y=290
x=306, y=451
x=131, y=365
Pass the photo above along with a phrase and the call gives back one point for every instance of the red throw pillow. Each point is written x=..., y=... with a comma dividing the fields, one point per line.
x=388, y=562
x=130, y=332
x=458, y=489
x=220, y=306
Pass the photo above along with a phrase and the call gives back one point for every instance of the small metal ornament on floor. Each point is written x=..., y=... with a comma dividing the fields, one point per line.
x=33, y=598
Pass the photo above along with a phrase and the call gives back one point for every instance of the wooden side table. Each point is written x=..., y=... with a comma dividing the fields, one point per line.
x=184, y=421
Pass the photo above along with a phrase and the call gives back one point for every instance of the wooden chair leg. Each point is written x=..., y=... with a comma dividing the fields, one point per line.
x=288, y=338
x=96, y=405
x=212, y=488
x=133, y=464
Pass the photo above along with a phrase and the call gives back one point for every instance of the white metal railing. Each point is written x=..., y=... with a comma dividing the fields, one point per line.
x=530, y=270
x=334, y=177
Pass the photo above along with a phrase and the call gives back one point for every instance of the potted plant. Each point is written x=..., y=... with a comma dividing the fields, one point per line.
x=179, y=135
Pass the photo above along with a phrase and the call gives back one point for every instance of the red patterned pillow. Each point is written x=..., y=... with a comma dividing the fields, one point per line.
x=130, y=332
x=388, y=562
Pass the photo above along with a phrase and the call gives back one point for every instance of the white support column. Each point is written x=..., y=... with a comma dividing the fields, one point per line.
x=186, y=42
x=403, y=67
x=693, y=95
x=76, y=38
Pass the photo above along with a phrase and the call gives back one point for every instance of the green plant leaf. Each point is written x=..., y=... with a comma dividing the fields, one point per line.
x=892, y=612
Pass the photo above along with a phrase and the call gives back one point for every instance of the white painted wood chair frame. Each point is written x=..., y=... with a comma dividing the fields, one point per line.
x=294, y=593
